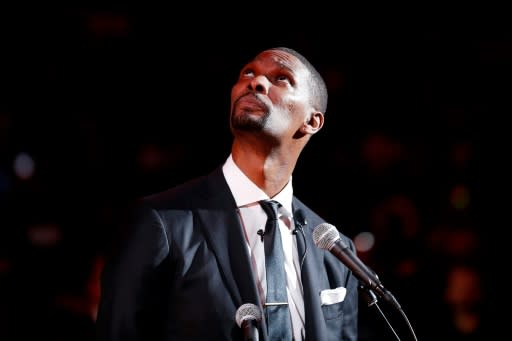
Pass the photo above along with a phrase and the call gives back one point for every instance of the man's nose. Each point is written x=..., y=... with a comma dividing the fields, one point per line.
x=260, y=84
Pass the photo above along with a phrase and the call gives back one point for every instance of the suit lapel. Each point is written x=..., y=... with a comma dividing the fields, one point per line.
x=226, y=238
x=224, y=232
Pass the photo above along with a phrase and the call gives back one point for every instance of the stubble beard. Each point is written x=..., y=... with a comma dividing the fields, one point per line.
x=244, y=121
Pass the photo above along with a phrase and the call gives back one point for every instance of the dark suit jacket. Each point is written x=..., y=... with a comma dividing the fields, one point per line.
x=184, y=269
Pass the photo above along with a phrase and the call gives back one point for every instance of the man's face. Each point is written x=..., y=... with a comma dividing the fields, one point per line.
x=271, y=96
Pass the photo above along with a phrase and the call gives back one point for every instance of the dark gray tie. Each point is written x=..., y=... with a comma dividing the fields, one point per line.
x=277, y=313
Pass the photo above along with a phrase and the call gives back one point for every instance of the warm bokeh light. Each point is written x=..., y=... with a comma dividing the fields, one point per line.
x=24, y=166
x=44, y=235
x=459, y=197
x=364, y=241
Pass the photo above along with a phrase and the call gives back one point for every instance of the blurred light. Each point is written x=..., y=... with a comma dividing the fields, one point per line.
x=150, y=157
x=24, y=166
x=459, y=197
x=364, y=241
x=104, y=24
x=45, y=235
x=380, y=151
x=462, y=153
x=5, y=265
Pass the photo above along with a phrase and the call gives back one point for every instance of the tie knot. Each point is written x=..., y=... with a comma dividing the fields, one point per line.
x=270, y=207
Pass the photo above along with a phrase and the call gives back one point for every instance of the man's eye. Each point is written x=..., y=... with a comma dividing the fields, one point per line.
x=282, y=78
x=247, y=72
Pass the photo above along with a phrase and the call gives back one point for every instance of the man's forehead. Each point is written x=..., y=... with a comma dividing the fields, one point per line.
x=284, y=59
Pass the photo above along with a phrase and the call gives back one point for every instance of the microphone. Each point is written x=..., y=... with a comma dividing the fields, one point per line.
x=327, y=237
x=300, y=221
x=247, y=317
x=261, y=233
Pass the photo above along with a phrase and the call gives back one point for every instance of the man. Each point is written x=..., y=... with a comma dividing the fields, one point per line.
x=195, y=253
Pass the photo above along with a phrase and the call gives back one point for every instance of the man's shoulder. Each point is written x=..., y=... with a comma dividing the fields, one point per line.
x=312, y=217
x=306, y=214
x=189, y=192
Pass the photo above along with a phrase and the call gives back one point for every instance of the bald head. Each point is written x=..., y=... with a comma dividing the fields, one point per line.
x=317, y=86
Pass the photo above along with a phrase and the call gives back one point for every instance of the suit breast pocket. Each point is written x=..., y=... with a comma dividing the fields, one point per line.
x=332, y=302
x=333, y=311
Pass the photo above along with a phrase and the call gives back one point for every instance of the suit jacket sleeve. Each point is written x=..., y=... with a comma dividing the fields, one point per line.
x=129, y=286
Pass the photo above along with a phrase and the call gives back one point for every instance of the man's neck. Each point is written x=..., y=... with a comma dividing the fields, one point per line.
x=270, y=171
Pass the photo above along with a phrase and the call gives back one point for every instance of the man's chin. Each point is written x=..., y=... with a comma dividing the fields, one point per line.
x=247, y=122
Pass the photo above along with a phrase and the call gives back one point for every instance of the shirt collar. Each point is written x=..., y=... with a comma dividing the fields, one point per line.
x=246, y=192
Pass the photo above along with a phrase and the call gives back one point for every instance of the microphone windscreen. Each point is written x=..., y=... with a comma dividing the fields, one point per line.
x=247, y=311
x=325, y=236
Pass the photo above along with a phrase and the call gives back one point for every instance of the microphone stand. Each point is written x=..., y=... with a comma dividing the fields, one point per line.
x=371, y=300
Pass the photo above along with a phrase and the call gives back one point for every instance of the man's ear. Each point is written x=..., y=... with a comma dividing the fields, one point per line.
x=314, y=124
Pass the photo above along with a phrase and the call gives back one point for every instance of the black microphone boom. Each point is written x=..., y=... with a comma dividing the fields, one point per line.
x=247, y=317
x=327, y=237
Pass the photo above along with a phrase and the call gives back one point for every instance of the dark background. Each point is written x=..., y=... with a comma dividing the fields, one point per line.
x=108, y=103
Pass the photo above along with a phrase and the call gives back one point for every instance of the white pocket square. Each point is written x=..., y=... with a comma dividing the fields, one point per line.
x=331, y=296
